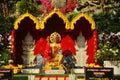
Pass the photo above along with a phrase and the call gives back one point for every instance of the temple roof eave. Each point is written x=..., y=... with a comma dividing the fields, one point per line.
x=41, y=24
x=49, y=15
x=91, y=21
x=18, y=21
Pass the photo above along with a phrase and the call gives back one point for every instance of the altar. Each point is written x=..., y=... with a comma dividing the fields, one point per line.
x=53, y=44
x=79, y=36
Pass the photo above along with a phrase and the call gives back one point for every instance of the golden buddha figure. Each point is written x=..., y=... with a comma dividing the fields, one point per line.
x=56, y=56
x=55, y=45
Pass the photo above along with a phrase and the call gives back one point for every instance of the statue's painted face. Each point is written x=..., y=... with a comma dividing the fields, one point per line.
x=56, y=39
x=28, y=42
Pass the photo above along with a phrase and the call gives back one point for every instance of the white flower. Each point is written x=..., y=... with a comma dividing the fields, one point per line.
x=10, y=61
x=107, y=49
x=116, y=50
x=2, y=61
x=98, y=50
x=110, y=49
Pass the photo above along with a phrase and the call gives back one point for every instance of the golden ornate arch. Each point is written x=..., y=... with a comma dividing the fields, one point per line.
x=49, y=15
x=22, y=17
x=91, y=21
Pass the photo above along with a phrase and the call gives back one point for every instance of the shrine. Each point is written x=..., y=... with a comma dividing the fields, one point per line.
x=52, y=42
x=59, y=40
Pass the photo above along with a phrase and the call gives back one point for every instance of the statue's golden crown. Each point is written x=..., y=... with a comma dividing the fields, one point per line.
x=54, y=35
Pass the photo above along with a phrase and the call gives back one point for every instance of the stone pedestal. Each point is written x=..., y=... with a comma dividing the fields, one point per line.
x=31, y=70
x=54, y=71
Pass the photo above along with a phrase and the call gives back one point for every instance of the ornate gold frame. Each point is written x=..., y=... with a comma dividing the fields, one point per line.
x=59, y=13
x=22, y=17
x=40, y=24
x=86, y=17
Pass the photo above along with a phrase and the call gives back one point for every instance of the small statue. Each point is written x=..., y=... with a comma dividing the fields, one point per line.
x=56, y=56
x=28, y=51
x=81, y=54
x=39, y=61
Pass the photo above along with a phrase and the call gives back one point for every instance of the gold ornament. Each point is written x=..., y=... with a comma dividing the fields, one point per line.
x=55, y=36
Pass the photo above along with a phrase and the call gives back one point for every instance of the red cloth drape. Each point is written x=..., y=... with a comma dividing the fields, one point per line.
x=43, y=47
x=12, y=40
x=40, y=46
x=92, y=47
x=68, y=44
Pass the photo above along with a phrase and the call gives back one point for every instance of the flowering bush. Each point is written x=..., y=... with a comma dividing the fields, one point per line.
x=5, y=56
x=64, y=5
x=105, y=52
x=109, y=47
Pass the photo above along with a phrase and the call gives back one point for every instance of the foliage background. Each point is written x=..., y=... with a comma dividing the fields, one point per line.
x=106, y=13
